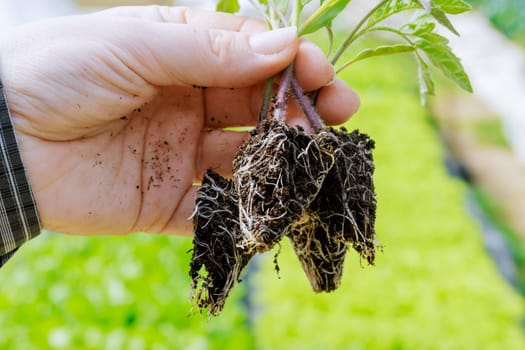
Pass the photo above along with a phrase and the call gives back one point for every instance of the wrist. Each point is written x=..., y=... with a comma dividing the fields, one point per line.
x=18, y=203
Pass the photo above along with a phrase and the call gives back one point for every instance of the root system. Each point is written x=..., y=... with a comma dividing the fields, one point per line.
x=316, y=189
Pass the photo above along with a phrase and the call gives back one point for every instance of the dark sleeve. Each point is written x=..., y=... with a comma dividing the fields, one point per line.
x=19, y=221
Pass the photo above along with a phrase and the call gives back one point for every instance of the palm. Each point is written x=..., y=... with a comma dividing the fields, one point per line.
x=126, y=176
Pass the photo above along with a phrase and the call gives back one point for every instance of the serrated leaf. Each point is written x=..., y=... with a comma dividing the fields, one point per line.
x=452, y=7
x=426, y=83
x=390, y=8
x=383, y=50
x=230, y=6
x=421, y=25
x=442, y=18
x=436, y=38
x=439, y=53
x=324, y=16
x=379, y=51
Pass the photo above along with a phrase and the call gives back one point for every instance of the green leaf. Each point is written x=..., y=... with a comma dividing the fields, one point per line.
x=390, y=8
x=379, y=51
x=230, y=6
x=439, y=53
x=384, y=50
x=436, y=8
x=442, y=18
x=440, y=8
x=323, y=16
x=435, y=38
x=281, y=5
x=426, y=83
x=452, y=7
x=421, y=25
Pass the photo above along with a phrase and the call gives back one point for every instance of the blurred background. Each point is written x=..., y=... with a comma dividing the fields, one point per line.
x=450, y=181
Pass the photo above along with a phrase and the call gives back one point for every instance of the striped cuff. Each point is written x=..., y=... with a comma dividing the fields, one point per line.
x=19, y=221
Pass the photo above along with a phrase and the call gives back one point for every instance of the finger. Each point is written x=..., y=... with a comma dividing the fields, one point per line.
x=197, y=18
x=296, y=117
x=177, y=54
x=337, y=102
x=312, y=69
x=217, y=151
x=240, y=107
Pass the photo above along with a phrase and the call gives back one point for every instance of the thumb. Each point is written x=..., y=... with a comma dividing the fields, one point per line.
x=179, y=54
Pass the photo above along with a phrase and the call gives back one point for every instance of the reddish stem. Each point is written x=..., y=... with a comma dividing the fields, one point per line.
x=306, y=105
x=281, y=99
x=288, y=81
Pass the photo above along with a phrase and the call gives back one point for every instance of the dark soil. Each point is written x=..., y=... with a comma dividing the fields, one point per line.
x=317, y=189
x=342, y=214
x=218, y=257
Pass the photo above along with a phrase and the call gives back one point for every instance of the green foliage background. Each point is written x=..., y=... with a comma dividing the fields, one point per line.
x=506, y=15
x=434, y=287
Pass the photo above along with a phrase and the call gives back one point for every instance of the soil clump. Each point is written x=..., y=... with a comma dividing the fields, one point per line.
x=316, y=189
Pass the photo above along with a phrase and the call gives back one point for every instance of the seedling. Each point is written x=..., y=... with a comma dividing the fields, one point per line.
x=314, y=188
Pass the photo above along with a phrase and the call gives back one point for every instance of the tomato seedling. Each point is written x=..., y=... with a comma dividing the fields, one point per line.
x=316, y=188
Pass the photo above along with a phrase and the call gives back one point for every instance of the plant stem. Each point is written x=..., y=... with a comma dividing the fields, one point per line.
x=267, y=18
x=279, y=16
x=281, y=99
x=354, y=34
x=296, y=12
x=330, y=34
x=392, y=30
x=267, y=96
x=304, y=102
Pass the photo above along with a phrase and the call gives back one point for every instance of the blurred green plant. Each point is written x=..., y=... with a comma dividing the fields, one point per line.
x=434, y=287
x=490, y=132
x=506, y=15
x=64, y=292
x=515, y=244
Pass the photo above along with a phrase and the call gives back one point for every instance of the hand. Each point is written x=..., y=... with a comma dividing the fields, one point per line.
x=113, y=124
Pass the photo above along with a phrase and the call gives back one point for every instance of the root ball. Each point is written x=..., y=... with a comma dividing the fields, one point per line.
x=317, y=189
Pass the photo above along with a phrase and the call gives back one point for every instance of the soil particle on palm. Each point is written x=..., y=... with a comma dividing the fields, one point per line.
x=316, y=189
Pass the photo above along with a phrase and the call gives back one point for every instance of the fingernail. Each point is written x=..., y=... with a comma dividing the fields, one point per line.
x=334, y=76
x=272, y=42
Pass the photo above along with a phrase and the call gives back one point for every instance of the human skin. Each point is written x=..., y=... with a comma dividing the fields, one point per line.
x=114, y=126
